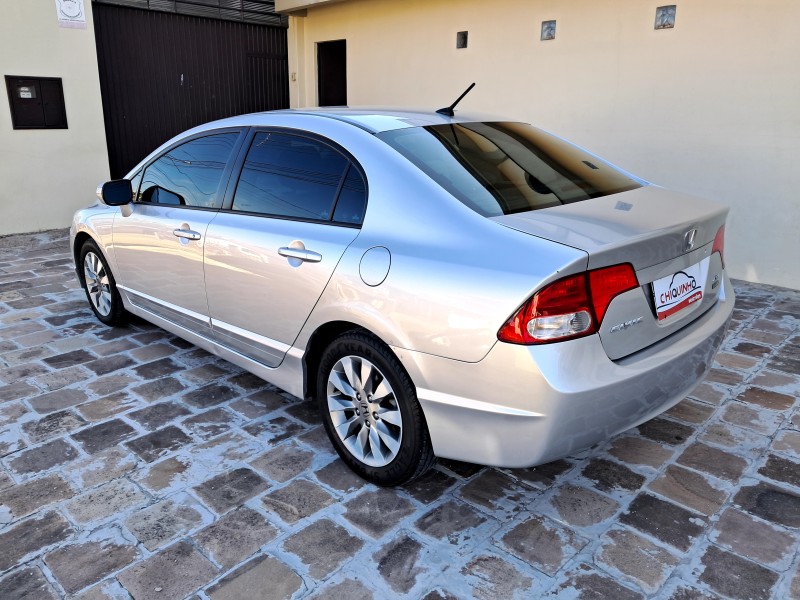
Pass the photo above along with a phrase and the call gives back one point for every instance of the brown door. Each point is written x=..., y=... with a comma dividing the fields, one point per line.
x=332, y=73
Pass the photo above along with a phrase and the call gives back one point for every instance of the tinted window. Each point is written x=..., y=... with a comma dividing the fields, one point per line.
x=290, y=176
x=352, y=199
x=504, y=168
x=189, y=174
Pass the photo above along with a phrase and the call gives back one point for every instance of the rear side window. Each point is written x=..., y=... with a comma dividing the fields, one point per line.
x=290, y=176
x=189, y=174
x=505, y=168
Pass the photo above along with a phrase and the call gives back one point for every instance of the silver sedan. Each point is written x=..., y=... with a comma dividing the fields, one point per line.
x=453, y=286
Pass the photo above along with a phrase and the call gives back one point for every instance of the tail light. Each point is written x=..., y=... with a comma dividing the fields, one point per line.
x=568, y=308
x=719, y=244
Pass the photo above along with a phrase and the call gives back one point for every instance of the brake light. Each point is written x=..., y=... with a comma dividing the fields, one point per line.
x=568, y=308
x=719, y=244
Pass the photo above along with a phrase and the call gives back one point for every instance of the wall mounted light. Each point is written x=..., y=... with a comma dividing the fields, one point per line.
x=665, y=17
x=548, y=30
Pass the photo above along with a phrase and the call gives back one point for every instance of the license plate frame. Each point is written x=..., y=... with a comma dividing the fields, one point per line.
x=681, y=290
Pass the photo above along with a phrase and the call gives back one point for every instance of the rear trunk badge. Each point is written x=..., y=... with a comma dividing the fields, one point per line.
x=688, y=239
x=626, y=324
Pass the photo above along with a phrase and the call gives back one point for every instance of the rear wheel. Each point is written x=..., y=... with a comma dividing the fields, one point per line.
x=370, y=410
x=101, y=289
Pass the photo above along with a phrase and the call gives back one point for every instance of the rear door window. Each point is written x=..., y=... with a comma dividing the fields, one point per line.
x=297, y=177
x=189, y=174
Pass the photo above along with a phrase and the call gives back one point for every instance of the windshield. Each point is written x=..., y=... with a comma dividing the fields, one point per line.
x=505, y=168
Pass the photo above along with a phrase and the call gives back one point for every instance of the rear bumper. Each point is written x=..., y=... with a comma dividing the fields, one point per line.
x=526, y=405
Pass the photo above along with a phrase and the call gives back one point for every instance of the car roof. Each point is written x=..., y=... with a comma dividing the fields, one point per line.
x=373, y=120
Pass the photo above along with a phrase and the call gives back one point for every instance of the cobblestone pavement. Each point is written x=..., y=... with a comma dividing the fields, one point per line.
x=135, y=464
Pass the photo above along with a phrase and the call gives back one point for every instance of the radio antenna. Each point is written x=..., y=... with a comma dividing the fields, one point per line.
x=448, y=110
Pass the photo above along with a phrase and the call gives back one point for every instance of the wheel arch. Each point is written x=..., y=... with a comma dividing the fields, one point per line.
x=80, y=239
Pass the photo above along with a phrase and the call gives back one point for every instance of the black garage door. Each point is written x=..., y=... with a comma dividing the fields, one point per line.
x=162, y=73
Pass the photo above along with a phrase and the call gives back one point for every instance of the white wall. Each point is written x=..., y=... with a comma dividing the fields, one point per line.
x=711, y=107
x=45, y=175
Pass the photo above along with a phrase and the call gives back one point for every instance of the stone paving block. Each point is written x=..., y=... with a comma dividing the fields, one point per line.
x=151, y=351
x=754, y=539
x=305, y=411
x=491, y=577
x=462, y=469
x=399, y=563
x=585, y=582
x=17, y=391
x=774, y=380
x=27, y=582
x=771, y=503
x=11, y=413
x=109, y=364
x=44, y=457
x=713, y=461
x=157, y=368
x=69, y=359
x=736, y=577
x=635, y=559
x=104, y=466
x=230, y=489
x=30, y=536
x=665, y=431
x=210, y=395
x=297, y=500
x=204, y=373
x=766, y=398
x=158, y=415
x=430, y=487
x=26, y=498
x=705, y=392
x=248, y=381
x=543, y=544
x=672, y=524
x=582, y=507
x=275, y=430
x=171, y=474
x=639, y=451
x=236, y=536
x=10, y=442
x=340, y=477
x=377, y=511
x=495, y=491
x=745, y=442
x=226, y=451
x=5, y=480
x=155, y=445
x=164, y=521
x=782, y=470
x=109, y=406
x=608, y=475
x=172, y=573
x=105, y=501
x=724, y=377
x=158, y=389
x=78, y=566
x=323, y=546
x=259, y=404
x=318, y=439
x=58, y=400
x=102, y=436
x=57, y=380
x=543, y=476
x=209, y=424
x=690, y=489
x=733, y=360
x=449, y=521
x=284, y=462
x=788, y=442
x=52, y=425
x=351, y=589
x=742, y=415
x=691, y=412
x=248, y=581
x=114, y=347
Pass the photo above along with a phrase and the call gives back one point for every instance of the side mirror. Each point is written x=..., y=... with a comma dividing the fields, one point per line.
x=116, y=193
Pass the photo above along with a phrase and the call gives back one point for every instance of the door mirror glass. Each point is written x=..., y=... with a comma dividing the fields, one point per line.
x=116, y=193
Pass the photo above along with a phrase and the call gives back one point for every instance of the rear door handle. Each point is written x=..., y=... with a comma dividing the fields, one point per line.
x=300, y=254
x=186, y=234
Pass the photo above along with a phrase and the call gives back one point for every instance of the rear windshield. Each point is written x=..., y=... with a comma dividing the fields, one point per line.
x=505, y=168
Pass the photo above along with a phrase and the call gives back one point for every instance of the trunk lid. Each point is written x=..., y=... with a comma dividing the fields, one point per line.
x=666, y=236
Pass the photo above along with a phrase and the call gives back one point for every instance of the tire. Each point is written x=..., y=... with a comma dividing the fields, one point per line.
x=370, y=410
x=100, y=287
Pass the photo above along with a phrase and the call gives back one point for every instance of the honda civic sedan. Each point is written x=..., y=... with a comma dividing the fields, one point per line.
x=440, y=285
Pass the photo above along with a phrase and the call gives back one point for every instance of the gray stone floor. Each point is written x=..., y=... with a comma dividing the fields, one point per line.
x=134, y=464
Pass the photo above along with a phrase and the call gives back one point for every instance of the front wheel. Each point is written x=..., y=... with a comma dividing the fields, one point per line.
x=101, y=289
x=370, y=410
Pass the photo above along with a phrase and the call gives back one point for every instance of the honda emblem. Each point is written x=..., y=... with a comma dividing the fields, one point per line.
x=688, y=239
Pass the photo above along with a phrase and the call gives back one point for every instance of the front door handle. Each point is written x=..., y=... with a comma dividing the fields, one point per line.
x=187, y=234
x=300, y=254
